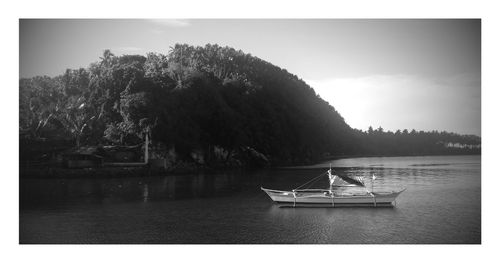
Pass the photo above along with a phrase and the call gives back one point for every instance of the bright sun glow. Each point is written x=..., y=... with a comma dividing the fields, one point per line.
x=400, y=102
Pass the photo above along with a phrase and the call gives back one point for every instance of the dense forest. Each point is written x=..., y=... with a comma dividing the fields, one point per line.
x=205, y=100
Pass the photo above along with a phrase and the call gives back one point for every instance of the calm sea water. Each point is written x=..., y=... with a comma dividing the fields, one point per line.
x=442, y=204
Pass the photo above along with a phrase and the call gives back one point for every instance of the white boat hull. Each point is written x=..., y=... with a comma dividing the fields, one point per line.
x=327, y=198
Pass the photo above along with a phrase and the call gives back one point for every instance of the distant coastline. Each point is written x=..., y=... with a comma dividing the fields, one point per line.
x=337, y=157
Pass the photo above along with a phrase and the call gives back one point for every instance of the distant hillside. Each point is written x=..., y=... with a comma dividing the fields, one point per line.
x=213, y=101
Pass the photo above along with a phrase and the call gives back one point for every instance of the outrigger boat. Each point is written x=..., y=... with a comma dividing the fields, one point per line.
x=343, y=191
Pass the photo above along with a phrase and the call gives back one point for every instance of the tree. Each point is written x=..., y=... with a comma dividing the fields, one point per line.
x=78, y=110
x=202, y=98
x=74, y=118
x=38, y=103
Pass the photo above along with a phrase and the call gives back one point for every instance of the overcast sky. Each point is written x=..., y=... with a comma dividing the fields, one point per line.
x=398, y=74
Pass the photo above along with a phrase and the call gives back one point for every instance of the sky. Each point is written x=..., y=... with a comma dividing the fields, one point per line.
x=394, y=74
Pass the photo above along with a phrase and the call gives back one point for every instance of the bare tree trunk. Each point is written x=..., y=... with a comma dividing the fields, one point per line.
x=78, y=141
x=228, y=156
x=146, y=149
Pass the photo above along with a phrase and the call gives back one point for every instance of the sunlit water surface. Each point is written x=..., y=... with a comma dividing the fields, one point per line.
x=442, y=204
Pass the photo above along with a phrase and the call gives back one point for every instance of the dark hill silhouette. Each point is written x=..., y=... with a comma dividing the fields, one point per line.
x=214, y=101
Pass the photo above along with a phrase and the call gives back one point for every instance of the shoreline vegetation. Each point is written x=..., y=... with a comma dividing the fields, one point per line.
x=140, y=170
x=194, y=109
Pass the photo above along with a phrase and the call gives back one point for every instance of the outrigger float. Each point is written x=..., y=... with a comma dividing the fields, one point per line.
x=344, y=191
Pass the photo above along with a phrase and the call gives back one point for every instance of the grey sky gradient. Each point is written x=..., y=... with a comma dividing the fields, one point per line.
x=413, y=74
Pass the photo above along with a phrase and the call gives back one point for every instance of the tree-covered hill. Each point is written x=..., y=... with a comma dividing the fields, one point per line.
x=204, y=100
